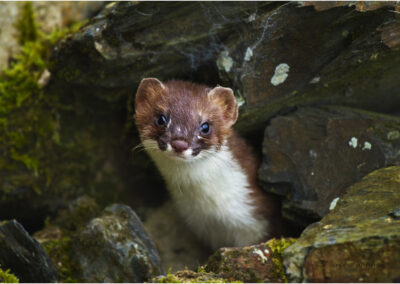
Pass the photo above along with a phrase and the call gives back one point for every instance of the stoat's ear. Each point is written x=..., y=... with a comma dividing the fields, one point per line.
x=148, y=91
x=224, y=98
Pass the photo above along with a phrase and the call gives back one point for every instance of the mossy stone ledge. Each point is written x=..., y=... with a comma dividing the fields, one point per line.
x=358, y=241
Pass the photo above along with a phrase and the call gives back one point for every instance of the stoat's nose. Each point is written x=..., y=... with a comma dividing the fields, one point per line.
x=179, y=145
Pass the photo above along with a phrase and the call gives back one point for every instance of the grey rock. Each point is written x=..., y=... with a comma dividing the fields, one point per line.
x=275, y=55
x=335, y=56
x=24, y=255
x=313, y=154
x=128, y=41
x=116, y=248
x=359, y=241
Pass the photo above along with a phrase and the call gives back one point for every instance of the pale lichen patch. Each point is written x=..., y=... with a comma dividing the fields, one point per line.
x=249, y=54
x=261, y=254
x=224, y=61
x=251, y=18
x=367, y=146
x=315, y=80
x=333, y=203
x=280, y=75
x=353, y=142
x=393, y=135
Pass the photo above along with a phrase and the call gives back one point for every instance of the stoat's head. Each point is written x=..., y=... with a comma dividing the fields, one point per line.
x=183, y=120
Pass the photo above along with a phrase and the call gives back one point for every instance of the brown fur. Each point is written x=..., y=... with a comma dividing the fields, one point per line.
x=268, y=206
x=188, y=105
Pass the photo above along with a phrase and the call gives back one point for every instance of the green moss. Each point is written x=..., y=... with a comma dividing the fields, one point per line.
x=188, y=276
x=29, y=118
x=7, y=277
x=277, y=247
x=60, y=253
x=26, y=24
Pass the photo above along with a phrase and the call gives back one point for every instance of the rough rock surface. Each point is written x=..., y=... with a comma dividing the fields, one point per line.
x=248, y=264
x=116, y=248
x=256, y=263
x=359, y=241
x=24, y=255
x=313, y=154
x=250, y=46
x=335, y=56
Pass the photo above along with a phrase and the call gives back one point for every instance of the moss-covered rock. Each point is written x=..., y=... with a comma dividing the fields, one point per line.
x=189, y=276
x=114, y=247
x=36, y=167
x=258, y=263
x=58, y=235
x=56, y=146
x=358, y=241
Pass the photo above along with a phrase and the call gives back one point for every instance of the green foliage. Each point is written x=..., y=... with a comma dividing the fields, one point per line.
x=7, y=277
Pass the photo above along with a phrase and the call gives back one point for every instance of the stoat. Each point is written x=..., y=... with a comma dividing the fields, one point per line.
x=209, y=169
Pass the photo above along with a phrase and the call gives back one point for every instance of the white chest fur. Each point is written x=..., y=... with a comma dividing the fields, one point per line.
x=212, y=194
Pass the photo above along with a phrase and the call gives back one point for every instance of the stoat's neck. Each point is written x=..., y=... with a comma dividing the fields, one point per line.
x=213, y=194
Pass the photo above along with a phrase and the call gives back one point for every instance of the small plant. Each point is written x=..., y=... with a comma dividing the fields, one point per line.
x=7, y=277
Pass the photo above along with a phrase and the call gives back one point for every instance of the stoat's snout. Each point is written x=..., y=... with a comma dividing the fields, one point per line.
x=184, y=120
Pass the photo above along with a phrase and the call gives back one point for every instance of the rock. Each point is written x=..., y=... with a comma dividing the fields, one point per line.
x=253, y=48
x=257, y=263
x=177, y=245
x=59, y=234
x=359, y=241
x=55, y=152
x=24, y=255
x=335, y=56
x=189, y=276
x=78, y=214
x=116, y=248
x=313, y=154
x=128, y=41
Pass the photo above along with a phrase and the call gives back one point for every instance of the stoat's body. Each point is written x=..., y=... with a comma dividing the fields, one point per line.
x=209, y=170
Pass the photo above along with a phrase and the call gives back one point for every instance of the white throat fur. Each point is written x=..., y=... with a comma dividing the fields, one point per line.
x=211, y=192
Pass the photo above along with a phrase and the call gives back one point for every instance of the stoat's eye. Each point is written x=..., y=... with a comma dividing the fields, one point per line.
x=205, y=128
x=162, y=120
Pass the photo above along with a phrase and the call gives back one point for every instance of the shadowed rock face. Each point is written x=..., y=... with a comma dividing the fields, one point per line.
x=278, y=58
x=358, y=241
x=318, y=152
x=24, y=255
x=274, y=55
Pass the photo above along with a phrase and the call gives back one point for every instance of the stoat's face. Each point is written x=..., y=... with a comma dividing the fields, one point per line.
x=183, y=120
